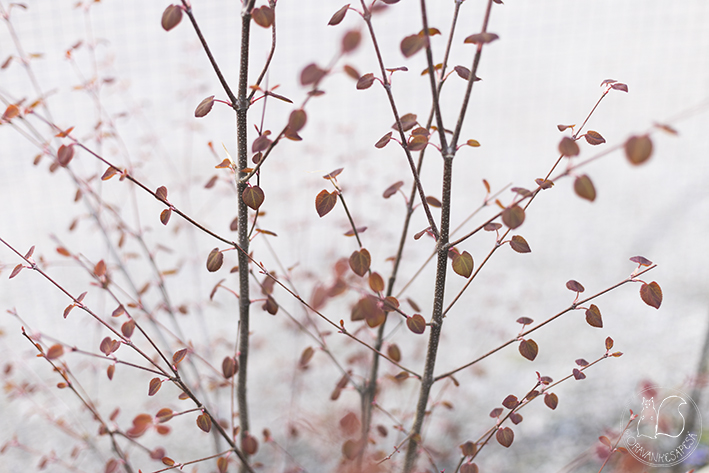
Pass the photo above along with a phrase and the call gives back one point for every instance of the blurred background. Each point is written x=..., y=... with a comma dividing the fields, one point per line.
x=545, y=70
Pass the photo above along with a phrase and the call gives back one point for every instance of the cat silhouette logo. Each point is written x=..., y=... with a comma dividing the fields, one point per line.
x=665, y=433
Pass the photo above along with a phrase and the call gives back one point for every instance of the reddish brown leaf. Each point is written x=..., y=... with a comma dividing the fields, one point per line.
x=492, y=226
x=261, y=143
x=393, y=352
x=351, y=71
x=412, y=44
x=204, y=422
x=311, y=74
x=609, y=343
x=339, y=15
x=638, y=149
x=392, y=189
x=641, y=260
x=581, y=362
x=154, y=386
x=230, y=366
x=55, y=351
x=351, y=40
x=305, y=357
x=605, y=441
x=249, y=444
x=365, y=81
x=127, y=328
x=110, y=172
x=417, y=143
x=263, y=16
x=408, y=121
x=481, y=38
x=325, y=202
x=519, y=244
x=65, y=155
x=505, y=436
x=525, y=321
x=620, y=86
x=110, y=371
x=11, y=112
x=416, y=323
x=578, y=375
x=510, y=402
x=167, y=461
x=544, y=184
x=376, y=283
x=463, y=72
x=594, y=138
x=651, y=294
x=178, y=356
x=360, y=261
x=253, y=197
x=270, y=306
x=165, y=216
x=171, y=17
x=528, y=349
x=516, y=418
x=573, y=285
x=463, y=264
x=469, y=448
x=204, y=107
x=551, y=400
x=583, y=186
x=390, y=303
x=333, y=174
x=297, y=120
x=161, y=193
x=513, y=216
x=214, y=260
x=593, y=316
x=568, y=147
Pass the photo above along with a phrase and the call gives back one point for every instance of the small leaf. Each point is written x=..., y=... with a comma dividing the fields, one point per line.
x=575, y=286
x=551, y=400
x=492, y=227
x=351, y=40
x=463, y=264
x=641, y=260
x=161, y=193
x=253, y=197
x=65, y=154
x=578, y=375
x=564, y=127
x=263, y=16
x=469, y=448
x=638, y=149
x=568, y=147
x=519, y=244
x=609, y=343
x=204, y=422
x=230, y=366
x=249, y=444
x=110, y=172
x=620, y=86
x=416, y=323
x=360, y=261
x=171, y=17
x=204, y=107
x=178, y=356
x=528, y=349
x=214, y=260
x=433, y=202
x=339, y=15
x=351, y=71
x=593, y=316
x=393, y=352
x=16, y=271
x=365, y=81
x=510, y=402
x=376, y=283
x=408, y=121
x=505, y=436
x=11, y=112
x=110, y=371
x=412, y=44
x=463, y=72
x=154, y=387
x=605, y=441
x=583, y=186
x=127, y=328
x=525, y=321
x=165, y=216
x=515, y=418
x=305, y=357
x=383, y=141
x=513, y=216
x=481, y=38
x=297, y=120
x=325, y=202
x=473, y=144
x=55, y=351
x=651, y=294
x=581, y=362
x=594, y=138
x=261, y=143
x=311, y=74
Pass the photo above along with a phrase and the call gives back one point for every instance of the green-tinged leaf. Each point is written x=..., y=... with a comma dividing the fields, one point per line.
x=638, y=149
x=305, y=357
x=376, y=282
x=513, y=216
x=351, y=40
x=65, y=155
x=463, y=264
x=583, y=186
x=383, y=141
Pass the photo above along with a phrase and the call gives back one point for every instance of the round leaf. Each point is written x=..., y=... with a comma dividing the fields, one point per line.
x=463, y=264
x=568, y=147
x=253, y=197
x=416, y=323
x=593, y=316
x=513, y=216
x=204, y=422
x=263, y=16
x=638, y=149
x=297, y=120
x=651, y=294
x=171, y=17
x=551, y=400
x=575, y=286
x=528, y=349
x=519, y=244
x=360, y=261
x=165, y=216
x=505, y=436
x=351, y=40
